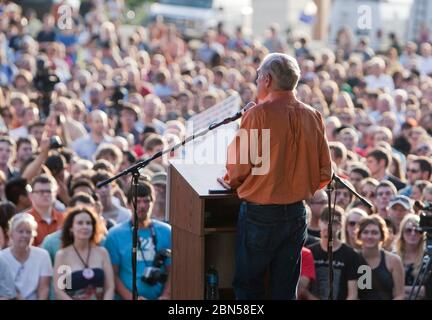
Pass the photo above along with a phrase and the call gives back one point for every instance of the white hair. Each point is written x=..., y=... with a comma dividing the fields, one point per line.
x=21, y=218
x=402, y=93
x=284, y=70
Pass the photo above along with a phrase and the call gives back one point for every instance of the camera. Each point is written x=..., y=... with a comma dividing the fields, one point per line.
x=55, y=142
x=425, y=216
x=44, y=80
x=120, y=92
x=154, y=274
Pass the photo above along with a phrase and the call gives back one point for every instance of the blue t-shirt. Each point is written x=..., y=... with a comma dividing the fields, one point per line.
x=67, y=39
x=52, y=244
x=119, y=246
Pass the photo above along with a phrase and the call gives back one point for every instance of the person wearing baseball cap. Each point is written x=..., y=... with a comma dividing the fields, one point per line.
x=399, y=206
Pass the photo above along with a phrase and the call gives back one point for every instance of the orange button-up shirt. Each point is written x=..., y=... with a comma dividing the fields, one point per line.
x=44, y=228
x=299, y=160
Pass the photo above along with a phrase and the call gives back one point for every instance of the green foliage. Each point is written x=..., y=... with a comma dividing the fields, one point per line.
x=131, y=4
x=140, y=8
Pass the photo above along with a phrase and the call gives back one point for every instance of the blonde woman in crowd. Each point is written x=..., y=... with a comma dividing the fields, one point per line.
x=31, y=266
x=410, y=245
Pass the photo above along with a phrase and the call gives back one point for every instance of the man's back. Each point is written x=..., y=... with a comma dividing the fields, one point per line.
x=299, y=159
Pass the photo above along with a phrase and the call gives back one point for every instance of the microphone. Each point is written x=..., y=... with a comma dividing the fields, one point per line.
x=238, y=115
x=336, y=178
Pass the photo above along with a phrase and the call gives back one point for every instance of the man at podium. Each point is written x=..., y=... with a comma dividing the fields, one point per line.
x=283, y=161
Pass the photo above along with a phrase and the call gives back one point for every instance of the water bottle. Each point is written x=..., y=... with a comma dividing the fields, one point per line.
x=212, y=282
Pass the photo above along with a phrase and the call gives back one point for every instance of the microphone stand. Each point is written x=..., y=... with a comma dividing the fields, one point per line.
x=134, y=170
x=329, y=191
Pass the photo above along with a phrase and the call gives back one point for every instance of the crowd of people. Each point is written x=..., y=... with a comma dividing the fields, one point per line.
x=80, y=104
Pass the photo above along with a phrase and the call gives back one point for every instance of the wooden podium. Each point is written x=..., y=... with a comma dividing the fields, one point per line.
x=203, y=230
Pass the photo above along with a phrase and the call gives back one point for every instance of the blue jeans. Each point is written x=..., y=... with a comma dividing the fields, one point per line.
x=269, y=237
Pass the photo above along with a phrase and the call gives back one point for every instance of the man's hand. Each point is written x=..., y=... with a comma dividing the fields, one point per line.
x=223, y=183
x=45, y=144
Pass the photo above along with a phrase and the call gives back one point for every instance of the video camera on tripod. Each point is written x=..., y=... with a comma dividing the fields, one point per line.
x=425, y=216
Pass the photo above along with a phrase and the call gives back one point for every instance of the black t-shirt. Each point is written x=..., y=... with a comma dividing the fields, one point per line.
x=311, y=240
x=46, y=36
x=314, y=233
x=345, y=268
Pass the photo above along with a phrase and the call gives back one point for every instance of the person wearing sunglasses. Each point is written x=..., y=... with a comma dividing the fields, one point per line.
x=418, y=169
x=424, y=149
x=352, y=219
x=410, y=246
x=367, y=188
x=387, y=269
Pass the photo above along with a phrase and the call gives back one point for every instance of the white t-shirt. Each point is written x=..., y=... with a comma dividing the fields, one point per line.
x=384, y=81
x=19, y=132
x=425, y=66
x=26, y=276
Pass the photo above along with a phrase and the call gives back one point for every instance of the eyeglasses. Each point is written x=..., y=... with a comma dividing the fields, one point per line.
x=422, y=149
x=413, y=170
x=411, y=230
x=369, y=194
x=414, y=134
x=42, y=192
x=352, y=223
x=387, y=193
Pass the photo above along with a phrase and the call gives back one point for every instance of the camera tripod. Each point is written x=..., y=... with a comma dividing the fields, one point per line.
x=425, y=269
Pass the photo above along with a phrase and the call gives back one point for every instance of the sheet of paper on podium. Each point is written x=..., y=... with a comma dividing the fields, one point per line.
x=211, y=148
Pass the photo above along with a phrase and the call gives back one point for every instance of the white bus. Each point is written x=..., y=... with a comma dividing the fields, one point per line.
x=194, y=17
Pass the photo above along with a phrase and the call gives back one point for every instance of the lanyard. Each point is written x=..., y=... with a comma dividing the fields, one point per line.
x=154, y=239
